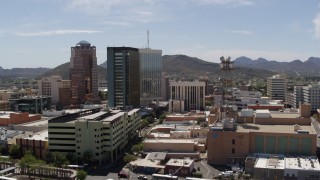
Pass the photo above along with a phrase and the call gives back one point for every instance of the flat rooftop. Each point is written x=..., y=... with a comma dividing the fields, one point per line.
x=43, y=136
x=154, y=140
x=277, y=114
x=42, y=122
x=6, y=114
x=94, y=116
x=180, y=162
x=113, y=117
x=270, y=163
x=307, y=163
x=147, y=163
x=250, y=127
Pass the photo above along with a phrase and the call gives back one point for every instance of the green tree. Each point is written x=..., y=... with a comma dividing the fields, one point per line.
x=57, y=159
x=129, y=157
x=137, y=147
x=162, y=117
x=15, y=152
x=81, y=175
x=87, y=157
x=28, y=162
x=144, y=123
x=200, y=120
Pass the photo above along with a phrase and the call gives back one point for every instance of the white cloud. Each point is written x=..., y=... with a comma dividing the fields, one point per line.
x=104, y=6
x=55, y=32
x=226, y=2
x=241, y=32
x=316, y=23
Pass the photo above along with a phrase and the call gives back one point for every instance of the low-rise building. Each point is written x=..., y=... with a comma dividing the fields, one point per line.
x=281, y=133
x=278, y=166
x=31, y=104
x=181, y=167
x=10, y=118
x=37, y=143
x=4, y=106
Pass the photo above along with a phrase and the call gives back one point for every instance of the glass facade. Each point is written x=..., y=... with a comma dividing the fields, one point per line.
x=150, y=75
x=123, y=77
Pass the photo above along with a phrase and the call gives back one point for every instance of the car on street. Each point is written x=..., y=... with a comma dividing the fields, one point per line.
x=123, y=174
x=142, y=177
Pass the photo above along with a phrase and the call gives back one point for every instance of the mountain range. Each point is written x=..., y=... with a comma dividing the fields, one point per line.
x=309, y=67
x=182, y=64
x=23, y=72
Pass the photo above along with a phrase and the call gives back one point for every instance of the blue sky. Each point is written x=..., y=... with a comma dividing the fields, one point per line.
x=39, y=33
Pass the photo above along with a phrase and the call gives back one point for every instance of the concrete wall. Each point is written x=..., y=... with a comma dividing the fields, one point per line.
x=283, y=121
x=220, y=145
x=261, y=173
x=170, y=147
x=18, y=118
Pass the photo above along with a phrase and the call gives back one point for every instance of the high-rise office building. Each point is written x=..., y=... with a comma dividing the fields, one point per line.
x=83, y=73
x=277, y=87
x=123, y=77
x=165, y=87
x=150, y=75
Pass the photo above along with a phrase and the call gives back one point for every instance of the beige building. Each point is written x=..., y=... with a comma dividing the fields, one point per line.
x=192, y=92
x=277, y=166
x=176, y=106
x=57, y=88
x=277, y=87
x=35, y=142
x=104, y=134
x=176, y=139
x=4, y=106
x=5, y=95
x=285, y=133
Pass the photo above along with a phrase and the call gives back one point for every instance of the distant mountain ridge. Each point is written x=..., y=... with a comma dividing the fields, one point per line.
x=192, y=65
x=64, y=71
x=22, y=72
x=309, y=67
x=183, y=64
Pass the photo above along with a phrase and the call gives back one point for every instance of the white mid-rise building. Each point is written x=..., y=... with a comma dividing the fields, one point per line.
x=298, y=95
x=277, y=87
x=192, y=92
x=311, y=95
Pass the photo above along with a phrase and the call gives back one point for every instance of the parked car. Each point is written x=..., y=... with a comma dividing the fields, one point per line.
x=226, y=174
x=142, y=177
x=122, y=174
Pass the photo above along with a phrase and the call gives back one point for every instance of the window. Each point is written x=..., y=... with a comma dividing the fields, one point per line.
x=233, y=151
x=233, y=141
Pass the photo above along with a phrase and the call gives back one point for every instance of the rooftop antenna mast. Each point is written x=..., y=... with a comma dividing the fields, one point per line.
x=148, y=39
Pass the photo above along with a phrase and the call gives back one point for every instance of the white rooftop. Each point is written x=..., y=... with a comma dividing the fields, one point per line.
x=306, y=163
x=43, y=136
x=270, y=163
x=151, y=140
x=180, y=162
